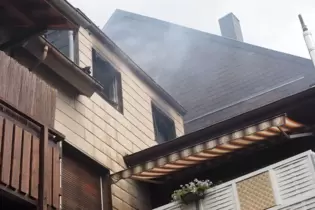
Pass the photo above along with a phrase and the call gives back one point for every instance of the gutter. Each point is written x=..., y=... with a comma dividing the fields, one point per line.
x=70, y=63
x=63, y=66
x=80, y=18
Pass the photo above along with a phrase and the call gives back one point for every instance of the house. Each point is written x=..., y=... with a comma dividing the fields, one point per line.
x=214, y=77
x=28, y=140
x=235, y=94
x=83, y=127
x=90, y=96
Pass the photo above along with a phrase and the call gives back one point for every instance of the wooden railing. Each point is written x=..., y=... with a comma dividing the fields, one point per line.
x=30, y=158
x=291, y=184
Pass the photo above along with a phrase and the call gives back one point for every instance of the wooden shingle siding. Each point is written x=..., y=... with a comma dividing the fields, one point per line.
x=25, y=91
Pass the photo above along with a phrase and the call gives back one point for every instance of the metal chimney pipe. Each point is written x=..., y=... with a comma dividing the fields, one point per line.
x=308, y=39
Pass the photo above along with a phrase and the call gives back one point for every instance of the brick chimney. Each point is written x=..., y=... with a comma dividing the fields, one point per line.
x=230, y=27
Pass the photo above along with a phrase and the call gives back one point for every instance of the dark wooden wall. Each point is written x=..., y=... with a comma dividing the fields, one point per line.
x=25, y=91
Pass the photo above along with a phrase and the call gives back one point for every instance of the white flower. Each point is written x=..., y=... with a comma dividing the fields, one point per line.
x=194, y=189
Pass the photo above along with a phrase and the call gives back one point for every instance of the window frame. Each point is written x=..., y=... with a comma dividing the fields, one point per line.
x=117, y=105
x=160, y=112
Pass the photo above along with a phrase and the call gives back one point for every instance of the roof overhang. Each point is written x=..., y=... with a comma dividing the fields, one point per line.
x=21, y=20
x=209, y=149
x=32, y=14
x=63, y=66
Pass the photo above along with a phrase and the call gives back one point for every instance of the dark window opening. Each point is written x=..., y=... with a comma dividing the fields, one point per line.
x=110, y=79
x=164, y=127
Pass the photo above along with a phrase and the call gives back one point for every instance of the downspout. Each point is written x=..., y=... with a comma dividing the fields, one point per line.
x=308, y=39
x=41, y=60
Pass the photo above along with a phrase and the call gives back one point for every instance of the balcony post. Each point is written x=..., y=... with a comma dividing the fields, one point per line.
x=42, y=199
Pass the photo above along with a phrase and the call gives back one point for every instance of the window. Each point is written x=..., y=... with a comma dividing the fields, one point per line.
x=62, y=40
x=85, y=184
x=164, y=127
x=110, y=79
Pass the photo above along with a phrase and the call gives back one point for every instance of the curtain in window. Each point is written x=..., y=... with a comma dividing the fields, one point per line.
x=114, y=91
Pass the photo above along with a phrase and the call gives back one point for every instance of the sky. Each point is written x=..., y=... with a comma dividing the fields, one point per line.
x=267, y=23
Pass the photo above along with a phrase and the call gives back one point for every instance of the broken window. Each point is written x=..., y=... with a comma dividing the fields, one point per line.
x=110, y=79
x=164, y=127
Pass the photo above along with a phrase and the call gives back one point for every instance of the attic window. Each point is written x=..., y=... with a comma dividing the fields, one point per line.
x=110, y=79
x=164, y=127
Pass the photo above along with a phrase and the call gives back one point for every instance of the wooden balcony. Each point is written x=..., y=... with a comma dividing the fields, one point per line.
x=21, y=140
x=289, y=184
x=29, y=149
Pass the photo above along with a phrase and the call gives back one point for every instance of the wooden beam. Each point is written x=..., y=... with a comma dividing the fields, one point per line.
x=42, y=188
x=8, y=192
x=4, y=105
x=16, y=13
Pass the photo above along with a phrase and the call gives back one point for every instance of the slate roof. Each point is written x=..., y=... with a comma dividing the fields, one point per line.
x=213, y=77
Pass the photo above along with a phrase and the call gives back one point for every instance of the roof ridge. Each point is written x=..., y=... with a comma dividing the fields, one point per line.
x=230, y=42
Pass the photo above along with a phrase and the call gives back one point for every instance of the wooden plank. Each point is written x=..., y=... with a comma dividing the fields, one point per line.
x=42, y=189
x=27, y=93
x=53, y=102
x=7, y=147
x=4, y=68
x=14, y=83
x=56, y=176
x=48, y=177
x=26, y=162
x=35, y=167
x=16, y=162
x=1, y=137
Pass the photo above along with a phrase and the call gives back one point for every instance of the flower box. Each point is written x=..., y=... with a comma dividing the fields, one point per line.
x=193, y=191
x=192, y=197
